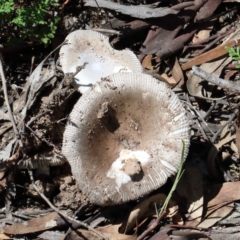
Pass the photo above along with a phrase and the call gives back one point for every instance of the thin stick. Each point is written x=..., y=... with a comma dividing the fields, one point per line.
x=215, y=80
x=6, y=100
x=35, y=118
x=62, y=214
x=152, y=226
x=214, y=138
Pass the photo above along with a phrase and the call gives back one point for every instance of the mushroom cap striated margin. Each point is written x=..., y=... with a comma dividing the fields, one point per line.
x=124, y=138
x=93, y=48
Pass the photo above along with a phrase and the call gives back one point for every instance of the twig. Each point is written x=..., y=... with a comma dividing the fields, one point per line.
x=210, y=45
x=35, y=118
x=152, y=226
x=188, y=227
x=213, y=37
x=201, y=130
x=32, y=63
x=209, y=110
x=41, y=138
x=6, y=100
x=69, y=77
x=215, y=80
x=62, y=214
x=218, y=38
x=199, y=115
x=20, y=215
x=28, y=95
x=223, y=126
x=110, y=31
x=63, y=5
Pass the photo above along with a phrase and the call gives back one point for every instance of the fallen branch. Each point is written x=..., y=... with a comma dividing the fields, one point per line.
x=231, y=86
x=139, y=11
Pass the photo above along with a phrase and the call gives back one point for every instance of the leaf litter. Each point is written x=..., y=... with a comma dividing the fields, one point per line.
x=205, y=204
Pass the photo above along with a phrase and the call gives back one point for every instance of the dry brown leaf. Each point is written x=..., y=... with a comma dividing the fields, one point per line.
x=160, y=236
x=230, y=73
x=139, y=210
x=234, y=148
x=4, y=237
x=176, y=70
x=169, y=80
x=223, y=193
x=37, y=224
x=147, y=62
x=225, y=156
x=110, y=231
x=213, y=54
x=190, y=187
x=146, y=207
x=216, y=216
x=218, y=196
x=188, y=234
x=201, y=35
x=194, y=83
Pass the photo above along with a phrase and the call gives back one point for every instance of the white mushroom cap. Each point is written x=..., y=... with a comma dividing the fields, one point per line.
x=93, y=48
x=124, y=138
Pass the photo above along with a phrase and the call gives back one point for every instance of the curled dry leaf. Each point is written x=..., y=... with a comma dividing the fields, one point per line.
x=147, y=62
x=176, y=70
x=194, y=83
x=216, y=53
x=36, y=83
x=170, y=80
x=217, y=215
x=4, y=237
x=38, y=224
x=146, y=207
x=217, y=196
x=201, y=35
x=208, y=9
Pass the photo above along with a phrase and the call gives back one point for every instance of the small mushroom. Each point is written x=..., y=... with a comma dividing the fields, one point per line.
x=124, y=138
x=93, y=48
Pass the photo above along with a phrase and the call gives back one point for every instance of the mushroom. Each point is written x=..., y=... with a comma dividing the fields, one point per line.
x=124, y=138
x=93, y=48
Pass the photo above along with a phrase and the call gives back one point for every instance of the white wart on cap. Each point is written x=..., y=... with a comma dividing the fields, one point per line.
x=124, y=138
x=93, y=48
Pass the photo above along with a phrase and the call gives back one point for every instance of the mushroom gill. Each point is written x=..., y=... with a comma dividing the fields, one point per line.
x=93, y=48
x=124, y=138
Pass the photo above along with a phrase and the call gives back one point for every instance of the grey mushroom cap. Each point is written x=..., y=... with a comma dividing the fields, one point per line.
x=93, y=48
x=124, y=138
